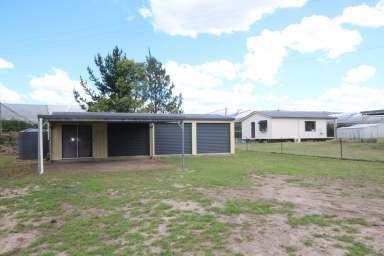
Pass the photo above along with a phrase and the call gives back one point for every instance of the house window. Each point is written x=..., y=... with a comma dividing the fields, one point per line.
x=263, y=126
x=253, y=127
x=310, y=126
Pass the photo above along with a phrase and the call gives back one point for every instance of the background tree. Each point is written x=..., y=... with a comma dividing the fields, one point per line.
x=159, y=89
x=119, y=87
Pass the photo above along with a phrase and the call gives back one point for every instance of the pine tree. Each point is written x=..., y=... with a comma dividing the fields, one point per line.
x=118, y=88
x=159, y=89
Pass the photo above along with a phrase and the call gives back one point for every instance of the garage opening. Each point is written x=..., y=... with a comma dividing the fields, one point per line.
x=168, y=139
x=128, y=139
x=76, y=141
x=213, y=138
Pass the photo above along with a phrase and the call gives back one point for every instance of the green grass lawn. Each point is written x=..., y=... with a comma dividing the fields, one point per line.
x=108, y=213
x=351, y=150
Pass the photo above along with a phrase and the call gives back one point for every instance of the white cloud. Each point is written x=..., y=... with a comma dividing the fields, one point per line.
x=364, y=15
x=265, y=57
x=203, y=87
x=55, y=87
x=359, y=74
x=8, y=95
x=191, y=17
x=4, y=64
x=346, y=98
x=267, y=51
x=145, y=12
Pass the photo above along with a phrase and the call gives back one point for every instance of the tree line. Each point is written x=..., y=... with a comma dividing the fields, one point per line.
x=123, y=85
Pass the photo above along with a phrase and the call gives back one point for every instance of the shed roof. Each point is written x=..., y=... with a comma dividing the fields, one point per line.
x=373, y=112
x=361, y=126
x=134, y=117
x=293, y=114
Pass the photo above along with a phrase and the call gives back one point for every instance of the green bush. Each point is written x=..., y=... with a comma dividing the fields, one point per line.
x=15, y=125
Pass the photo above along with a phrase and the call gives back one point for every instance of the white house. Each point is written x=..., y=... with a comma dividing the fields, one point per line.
x=287, y=125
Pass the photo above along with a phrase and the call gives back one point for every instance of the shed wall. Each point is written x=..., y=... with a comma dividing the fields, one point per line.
x=100, y=140
x=56, y=142
x=369, y=132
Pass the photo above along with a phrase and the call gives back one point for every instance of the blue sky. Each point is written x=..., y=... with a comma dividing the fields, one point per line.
x=265, y=54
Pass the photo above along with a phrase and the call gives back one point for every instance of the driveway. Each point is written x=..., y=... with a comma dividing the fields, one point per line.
x=108, y=165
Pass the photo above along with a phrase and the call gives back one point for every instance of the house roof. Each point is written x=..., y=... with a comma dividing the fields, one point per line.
x=292, y=114
x=134, y=117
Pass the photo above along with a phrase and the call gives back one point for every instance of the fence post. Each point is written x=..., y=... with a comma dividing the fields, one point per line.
x=281, y=145
x=246, y=143
x=341, y=148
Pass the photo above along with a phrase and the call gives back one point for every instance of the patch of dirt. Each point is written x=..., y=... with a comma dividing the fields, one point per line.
x=271, y=234
x=181, y=186
x=16, y=241
x=7, y=222
x=8, y=150
x=16, y=192
x=72, y=186
x=114, y=193
x=90, y=212
x=108, y=165
x=185, y=206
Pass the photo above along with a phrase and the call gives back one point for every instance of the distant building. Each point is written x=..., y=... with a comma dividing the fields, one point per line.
x=373, y=112
x=361, y=132
x=287, y=125
x=29, y=112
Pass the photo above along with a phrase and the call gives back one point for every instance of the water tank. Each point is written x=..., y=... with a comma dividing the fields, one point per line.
x=27, y=142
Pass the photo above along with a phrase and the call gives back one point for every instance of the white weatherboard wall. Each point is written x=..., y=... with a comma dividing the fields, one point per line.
x=292, y=128
x=246, y=127
x=283, y=128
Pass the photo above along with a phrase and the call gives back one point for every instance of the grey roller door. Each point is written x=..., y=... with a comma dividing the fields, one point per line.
x=128, y=139
x=168, y=139
x=213, y=138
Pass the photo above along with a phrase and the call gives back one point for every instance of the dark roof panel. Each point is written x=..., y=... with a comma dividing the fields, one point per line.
x=373, y=112
x=113, y=116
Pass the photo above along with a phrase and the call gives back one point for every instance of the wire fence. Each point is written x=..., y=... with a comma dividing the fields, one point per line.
x=342, y=149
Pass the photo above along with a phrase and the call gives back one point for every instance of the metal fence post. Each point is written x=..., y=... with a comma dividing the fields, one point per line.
x=341, y=148
x=281, y=146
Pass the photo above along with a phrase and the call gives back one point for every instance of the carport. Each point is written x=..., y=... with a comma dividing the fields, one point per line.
x=100, y=135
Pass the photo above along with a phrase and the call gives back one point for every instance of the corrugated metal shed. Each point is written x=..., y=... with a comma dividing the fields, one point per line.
x=361, y=131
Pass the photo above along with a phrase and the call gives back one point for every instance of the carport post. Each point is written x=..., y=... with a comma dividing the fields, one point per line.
x=181, y=125
x=40, y=149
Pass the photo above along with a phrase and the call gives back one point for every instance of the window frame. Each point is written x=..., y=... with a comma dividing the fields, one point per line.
x=310, y=122
x=264, y=129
